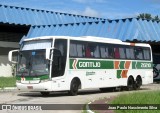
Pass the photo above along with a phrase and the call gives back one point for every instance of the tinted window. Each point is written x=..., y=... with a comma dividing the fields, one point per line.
x=108, y=51
x=139, y=53
x=130, y=53
x=77, y=49
x=92, y=50
x=146, y=53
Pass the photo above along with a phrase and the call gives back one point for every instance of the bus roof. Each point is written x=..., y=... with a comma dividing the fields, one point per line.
x=89, y=38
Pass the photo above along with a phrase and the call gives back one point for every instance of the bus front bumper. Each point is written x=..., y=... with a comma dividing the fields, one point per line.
x=44, y=86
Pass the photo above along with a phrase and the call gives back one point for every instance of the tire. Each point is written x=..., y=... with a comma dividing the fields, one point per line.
x=74, y=88
x=130, y=84
x=138, y=83
x=45, y=94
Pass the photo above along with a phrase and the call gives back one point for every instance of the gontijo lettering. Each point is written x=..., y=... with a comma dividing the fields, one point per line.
x=89, y=64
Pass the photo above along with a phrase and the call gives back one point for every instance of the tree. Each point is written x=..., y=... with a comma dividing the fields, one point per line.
x=156, y=18
x=145, y=16
x=148, y=17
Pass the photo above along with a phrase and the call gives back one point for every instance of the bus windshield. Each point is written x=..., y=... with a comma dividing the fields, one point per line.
x=32, y=63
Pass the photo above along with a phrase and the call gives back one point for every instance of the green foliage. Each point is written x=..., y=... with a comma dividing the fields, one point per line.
x=138, y=98
x=13, y=69
x=7, y=82
x=156, y=18
x=148, y=17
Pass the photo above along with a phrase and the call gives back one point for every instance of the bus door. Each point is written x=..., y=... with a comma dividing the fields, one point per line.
x=56, y=63
x=59, y=57
x=59, y=61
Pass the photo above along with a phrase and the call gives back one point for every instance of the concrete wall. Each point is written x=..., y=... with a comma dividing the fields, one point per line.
x=5, y=65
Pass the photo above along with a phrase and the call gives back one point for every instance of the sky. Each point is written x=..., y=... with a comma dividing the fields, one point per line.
x=109, y=9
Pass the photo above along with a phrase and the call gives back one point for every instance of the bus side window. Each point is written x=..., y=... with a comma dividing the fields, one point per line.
x=77, y=49
x=116, y=52
x=80, y=50
x=104, y=52
x=139, y=53
x=122, y=53
x=130, y=53
x=110, y=52
x=92, y=50
x=73, y=50
x=88, y=52
x=146, y=53
x=96, y=52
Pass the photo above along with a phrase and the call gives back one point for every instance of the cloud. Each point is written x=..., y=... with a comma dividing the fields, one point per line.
x=86, y=12
x=90, y=12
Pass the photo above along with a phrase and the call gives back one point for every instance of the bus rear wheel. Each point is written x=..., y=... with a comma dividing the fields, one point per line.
x=138, y=83
x=45, y=93
x=130, y=84
x=74, y=87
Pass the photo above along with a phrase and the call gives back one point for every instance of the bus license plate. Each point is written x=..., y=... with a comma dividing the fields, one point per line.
x=30, y=87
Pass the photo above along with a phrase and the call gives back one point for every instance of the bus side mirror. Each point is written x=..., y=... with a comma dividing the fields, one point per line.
x=10, y=56
x=48, y=53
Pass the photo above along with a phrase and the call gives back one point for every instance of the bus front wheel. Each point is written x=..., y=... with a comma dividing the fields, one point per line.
x=74, y=87
x=130, y=84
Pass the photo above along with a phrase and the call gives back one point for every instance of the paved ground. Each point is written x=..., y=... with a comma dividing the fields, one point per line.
x=83, y=97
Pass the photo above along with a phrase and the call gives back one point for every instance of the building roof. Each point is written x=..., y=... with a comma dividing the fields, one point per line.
x=28, y=16
x=131, y=29
x=46, y=23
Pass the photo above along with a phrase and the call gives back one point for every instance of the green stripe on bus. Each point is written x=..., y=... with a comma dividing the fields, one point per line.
x=119, y=73
x=106, y=64
x=134, y=65
x=121, y=66
x=71, y=63
x=91, y=64
x=144, y=65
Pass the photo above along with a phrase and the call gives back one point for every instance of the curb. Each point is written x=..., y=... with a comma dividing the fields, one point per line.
x=88, y=109
x=8, y=89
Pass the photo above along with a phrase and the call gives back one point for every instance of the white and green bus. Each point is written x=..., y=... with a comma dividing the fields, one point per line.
x=62, y=63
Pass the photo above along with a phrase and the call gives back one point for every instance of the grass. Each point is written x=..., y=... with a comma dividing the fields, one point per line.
x=7, y=82
x=84, y=109
x=151, y=97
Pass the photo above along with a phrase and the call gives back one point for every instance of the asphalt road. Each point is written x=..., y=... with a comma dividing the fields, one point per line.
x=62, y=98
